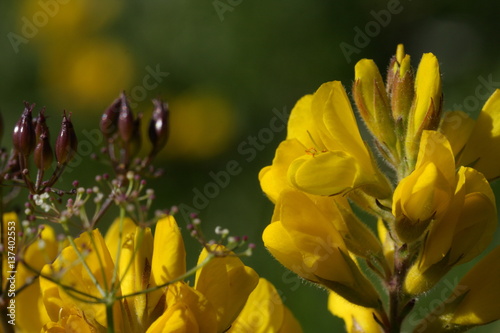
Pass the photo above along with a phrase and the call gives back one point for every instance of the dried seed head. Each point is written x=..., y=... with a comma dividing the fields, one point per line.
x=159, y=126
x=24, y=132
x=126, y=122
x=109, y=119
x=67, y=142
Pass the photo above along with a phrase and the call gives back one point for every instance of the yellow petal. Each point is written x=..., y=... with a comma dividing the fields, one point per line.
x=482, y=149
x=101, y=266
x=290, y=323
x=302, y=125
x=427, y=90
x=480, y=304
x=114, y=234
x=226, y=283
x=273, y=179
x=263, y=312
x=328, y=173
x=357, y=319
x=169, y=255
x=457, y=127
x=440, y=237
x=135, y=271
x=177, y=319
x=31, y=313
x=477, y=222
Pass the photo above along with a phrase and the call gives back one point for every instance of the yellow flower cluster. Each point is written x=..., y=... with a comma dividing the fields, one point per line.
x=434, y=204
x=138, y=279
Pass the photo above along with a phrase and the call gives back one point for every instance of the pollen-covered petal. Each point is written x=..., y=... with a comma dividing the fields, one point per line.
x=273, y=179
x=482, y=149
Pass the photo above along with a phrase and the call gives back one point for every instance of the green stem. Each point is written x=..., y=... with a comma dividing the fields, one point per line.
x=109, y=317
x=399, y=304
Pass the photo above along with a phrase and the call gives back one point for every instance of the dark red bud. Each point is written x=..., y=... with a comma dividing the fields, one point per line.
x=125, y=120
x=136, y=140
x=159, y=126
x=41, y=126
x=43, y=153
x=109, y=119
x=66, y=143
x=24, y=132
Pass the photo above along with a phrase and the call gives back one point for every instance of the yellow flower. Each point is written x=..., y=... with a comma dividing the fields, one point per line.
x=476, y=142
x=426, y=193
x=264, y=312
x=30, y=312
x=324, y=153
x=457, y=208
x=102, y=271
x=357, y=319
x=473, y=302
x=306, y=241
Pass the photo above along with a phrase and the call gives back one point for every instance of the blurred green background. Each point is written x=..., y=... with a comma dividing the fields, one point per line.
x=224, y=66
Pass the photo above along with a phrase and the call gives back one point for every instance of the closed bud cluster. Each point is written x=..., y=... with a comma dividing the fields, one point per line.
x=122, y=129
x=398, y=112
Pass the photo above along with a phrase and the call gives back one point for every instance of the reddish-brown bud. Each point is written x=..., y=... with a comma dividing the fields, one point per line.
x=125, y=120
x=24, y=132
x=66, y=143
x=41, y=126
x=43, y=153
x=136, y=139
x=109, y=119
x=159, y=126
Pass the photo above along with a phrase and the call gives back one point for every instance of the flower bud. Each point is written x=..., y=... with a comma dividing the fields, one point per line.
x=109, y=119
x=126, y=120
x=159, y=126
x=136, y=138
x=43, y=153
x=67, y=142
x=400, y=86
x=24, y=132
x=371, y=99
x=41, y=126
